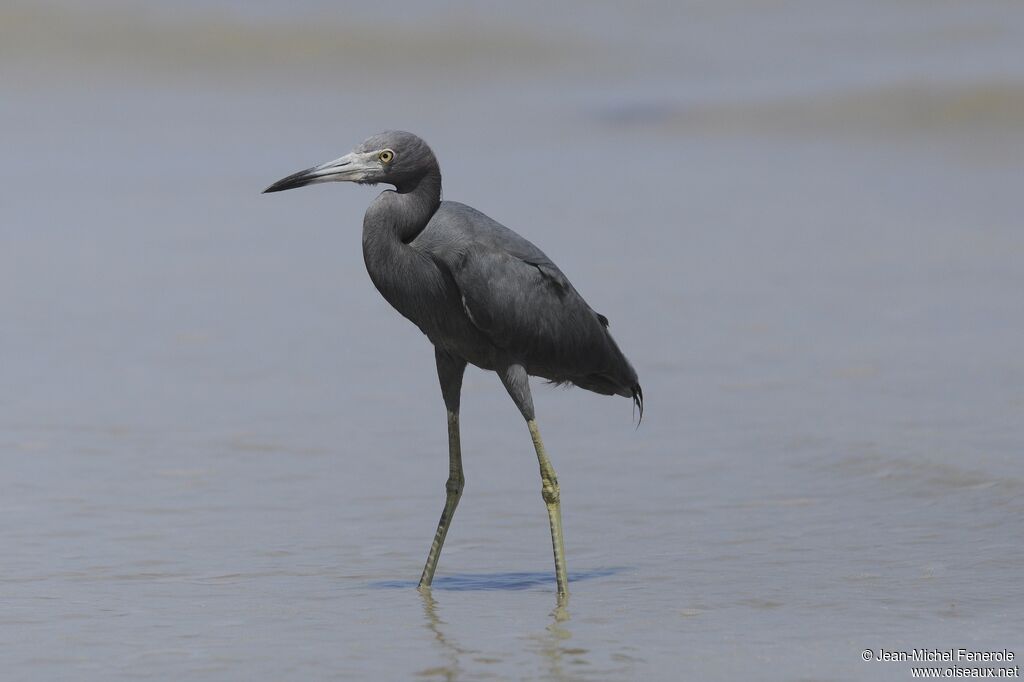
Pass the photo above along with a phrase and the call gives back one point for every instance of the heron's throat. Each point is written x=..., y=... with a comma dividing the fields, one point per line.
x=402, y=214
x=420, y=204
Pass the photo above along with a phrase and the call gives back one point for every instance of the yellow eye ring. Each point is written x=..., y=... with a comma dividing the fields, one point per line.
x=386, y=156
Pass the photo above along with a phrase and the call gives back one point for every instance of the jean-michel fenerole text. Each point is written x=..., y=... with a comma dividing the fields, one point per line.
x=955, y=655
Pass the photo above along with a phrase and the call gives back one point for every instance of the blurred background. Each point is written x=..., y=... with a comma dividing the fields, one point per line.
x=224, y=454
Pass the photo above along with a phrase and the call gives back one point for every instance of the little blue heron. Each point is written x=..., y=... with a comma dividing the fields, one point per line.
x=482, y=295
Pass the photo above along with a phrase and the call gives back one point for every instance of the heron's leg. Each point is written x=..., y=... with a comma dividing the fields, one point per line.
x=449, y=372
x=517, y=382
x=550, y=493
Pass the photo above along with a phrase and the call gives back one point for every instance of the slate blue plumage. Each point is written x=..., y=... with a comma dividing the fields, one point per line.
x=480, y=292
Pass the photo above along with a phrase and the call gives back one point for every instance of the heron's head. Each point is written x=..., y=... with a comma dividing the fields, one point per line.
x=393, y=158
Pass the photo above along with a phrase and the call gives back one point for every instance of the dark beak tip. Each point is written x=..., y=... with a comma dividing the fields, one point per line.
x=294, y=180
x=282, y=185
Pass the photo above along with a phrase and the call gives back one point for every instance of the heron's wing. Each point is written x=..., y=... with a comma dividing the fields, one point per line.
x=524, y=304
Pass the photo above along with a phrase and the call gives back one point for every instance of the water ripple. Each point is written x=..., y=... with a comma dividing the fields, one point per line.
x=465, y=582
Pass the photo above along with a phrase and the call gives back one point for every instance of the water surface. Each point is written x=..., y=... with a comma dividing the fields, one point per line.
x=224, y=454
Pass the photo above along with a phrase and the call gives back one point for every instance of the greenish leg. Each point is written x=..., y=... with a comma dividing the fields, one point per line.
x=550, y=493
x=453, y=491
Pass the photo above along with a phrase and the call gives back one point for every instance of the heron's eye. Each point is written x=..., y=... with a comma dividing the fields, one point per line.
x=386, y=156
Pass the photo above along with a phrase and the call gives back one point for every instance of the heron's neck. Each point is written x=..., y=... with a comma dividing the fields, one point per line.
x=402, y=214
x=392, y=221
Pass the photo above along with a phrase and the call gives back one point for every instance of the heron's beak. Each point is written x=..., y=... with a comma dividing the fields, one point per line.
x=354, y=167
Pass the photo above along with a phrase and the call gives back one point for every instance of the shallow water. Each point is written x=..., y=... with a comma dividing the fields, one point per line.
x=224, y=454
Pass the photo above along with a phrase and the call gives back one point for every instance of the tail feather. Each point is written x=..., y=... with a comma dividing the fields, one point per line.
x=638, y=403
x=596, y=364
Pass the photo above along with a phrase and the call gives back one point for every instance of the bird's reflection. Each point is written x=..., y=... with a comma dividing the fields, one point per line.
x=551, y=645
x=450, y=650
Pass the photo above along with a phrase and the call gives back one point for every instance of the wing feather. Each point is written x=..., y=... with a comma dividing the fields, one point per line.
x=529, y=309
x=523, y=303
